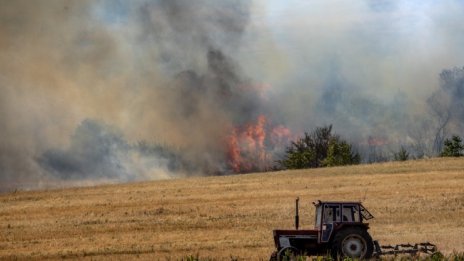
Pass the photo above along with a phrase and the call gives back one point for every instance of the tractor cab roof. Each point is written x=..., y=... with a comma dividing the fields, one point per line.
x=320, y=202
x=364, y=212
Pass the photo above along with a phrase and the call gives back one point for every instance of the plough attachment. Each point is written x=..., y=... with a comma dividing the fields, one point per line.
x=427, y=248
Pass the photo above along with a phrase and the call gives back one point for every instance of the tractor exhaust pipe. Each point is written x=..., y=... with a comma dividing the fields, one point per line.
x=297, y=216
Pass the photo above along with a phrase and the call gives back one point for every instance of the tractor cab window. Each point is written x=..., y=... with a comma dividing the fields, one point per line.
x=350, y=213
x=331, y=213
x=318, y=216
x=366, y=215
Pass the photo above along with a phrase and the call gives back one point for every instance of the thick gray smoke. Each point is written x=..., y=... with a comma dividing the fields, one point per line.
x=151, y=72
x=110, y=91
x=99, y=151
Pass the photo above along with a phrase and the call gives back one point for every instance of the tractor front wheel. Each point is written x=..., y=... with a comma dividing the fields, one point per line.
x=288, y=254
x=352, y=243
x=273, y=256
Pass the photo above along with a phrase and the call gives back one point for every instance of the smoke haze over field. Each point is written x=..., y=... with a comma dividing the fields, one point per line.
x=109, y=91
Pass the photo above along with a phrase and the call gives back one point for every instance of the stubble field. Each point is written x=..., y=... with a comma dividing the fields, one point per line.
x=230, y=216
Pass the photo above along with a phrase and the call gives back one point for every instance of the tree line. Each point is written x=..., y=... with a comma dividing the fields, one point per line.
x=323, y=148
x=433, y=137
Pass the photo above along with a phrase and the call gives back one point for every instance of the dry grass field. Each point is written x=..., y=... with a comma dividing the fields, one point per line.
x=230, y=216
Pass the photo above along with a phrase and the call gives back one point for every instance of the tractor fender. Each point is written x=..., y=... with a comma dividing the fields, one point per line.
x=342, y=226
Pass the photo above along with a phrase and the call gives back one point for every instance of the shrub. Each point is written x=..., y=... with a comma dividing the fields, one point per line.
x=453, y=147
x=317, y=149
x=340, y=153
x=401, y=155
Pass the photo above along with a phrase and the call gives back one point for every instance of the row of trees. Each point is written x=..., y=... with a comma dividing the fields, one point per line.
x=446, y=107
x=322, y=148
x=452, y=147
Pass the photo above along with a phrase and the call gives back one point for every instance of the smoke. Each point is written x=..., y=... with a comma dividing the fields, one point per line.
x=94, y=81
x=98, y=151
x=111, y=91
x=446, y=104
x=367, y=67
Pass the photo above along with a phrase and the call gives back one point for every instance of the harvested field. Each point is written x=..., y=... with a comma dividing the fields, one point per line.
x=231, y=216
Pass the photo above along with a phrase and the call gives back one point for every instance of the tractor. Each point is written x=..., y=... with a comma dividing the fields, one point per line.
x=339, y=231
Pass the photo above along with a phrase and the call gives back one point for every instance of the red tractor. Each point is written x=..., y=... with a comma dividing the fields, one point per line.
x=340, y=231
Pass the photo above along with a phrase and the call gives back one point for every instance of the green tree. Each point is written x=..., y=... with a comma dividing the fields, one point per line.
x=317, y=149
x=340, y=153
x=299, y=156
x=401, y=155
x=453, y=147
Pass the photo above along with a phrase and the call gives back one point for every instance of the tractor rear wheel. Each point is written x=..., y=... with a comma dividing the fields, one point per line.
x=353, y=243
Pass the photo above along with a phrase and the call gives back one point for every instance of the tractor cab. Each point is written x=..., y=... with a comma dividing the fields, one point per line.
x=332, y=216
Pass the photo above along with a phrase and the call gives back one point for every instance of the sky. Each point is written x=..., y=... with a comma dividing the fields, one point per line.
x=118, y=91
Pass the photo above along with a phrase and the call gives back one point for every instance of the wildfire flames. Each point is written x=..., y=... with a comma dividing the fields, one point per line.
x=252, y=147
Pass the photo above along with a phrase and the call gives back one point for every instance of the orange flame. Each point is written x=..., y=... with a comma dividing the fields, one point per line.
x=248, y=145
x=376, y=141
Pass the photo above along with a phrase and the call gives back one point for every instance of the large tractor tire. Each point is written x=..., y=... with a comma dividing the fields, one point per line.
x=352, y=242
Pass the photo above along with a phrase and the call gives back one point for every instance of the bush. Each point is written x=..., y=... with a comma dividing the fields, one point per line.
x=401, y=155
x=340, y=153
x=317, y=149
x=453, y=147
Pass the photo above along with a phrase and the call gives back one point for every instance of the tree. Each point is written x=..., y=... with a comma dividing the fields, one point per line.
x=340, y=153
x=446, y=104
x=317, y=149
x=453, y=147
x=401, y=155
x=439, y=104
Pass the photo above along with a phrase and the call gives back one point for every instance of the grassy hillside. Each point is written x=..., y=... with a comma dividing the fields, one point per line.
x=220, y=217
